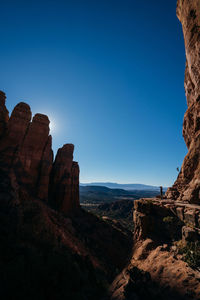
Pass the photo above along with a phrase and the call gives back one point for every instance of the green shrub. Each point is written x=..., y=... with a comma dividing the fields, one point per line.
x=168, y=219
x=191, y=253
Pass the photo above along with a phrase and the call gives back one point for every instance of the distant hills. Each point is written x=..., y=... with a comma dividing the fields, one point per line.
x=101, y=194
x=129, y=186
x=114, y=201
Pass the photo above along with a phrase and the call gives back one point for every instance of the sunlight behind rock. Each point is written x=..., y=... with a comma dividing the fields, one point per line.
x=52, y=126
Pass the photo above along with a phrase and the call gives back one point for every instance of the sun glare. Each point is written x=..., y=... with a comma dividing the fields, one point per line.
x=52, y=126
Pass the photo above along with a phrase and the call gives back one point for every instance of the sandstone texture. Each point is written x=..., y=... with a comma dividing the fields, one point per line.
x=187, y=185
x=26, y=154
x=156, y=274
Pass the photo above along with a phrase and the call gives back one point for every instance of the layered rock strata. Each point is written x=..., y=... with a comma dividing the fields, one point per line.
x=26, y=152
x=187, y=185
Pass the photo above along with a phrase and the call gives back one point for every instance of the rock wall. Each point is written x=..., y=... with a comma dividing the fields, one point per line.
x=166, y=220
x=26, y=153
x=163, y=260
x=187, y=185
x=167, y=231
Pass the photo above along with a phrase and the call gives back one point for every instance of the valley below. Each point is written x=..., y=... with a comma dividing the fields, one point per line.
x=113, y=204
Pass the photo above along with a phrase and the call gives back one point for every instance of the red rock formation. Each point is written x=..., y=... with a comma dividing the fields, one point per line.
x=36, y=156
x=64, y=187
x=187, y=185
x=18, y=123
x=75, y=184
x=26, y=150
x=13, y=137
x=45, y=169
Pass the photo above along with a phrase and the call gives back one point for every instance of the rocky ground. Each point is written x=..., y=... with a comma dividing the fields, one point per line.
x=156, y=272
x=45, y=254
x=166, y=253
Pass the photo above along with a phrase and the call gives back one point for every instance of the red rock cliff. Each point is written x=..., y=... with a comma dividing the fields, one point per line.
x=26, y=152
x=187, y=185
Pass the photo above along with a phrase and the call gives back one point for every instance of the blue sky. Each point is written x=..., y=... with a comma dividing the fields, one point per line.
x=110, y=75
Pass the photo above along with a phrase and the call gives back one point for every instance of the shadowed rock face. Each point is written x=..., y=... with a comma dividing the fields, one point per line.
x=75, y=184
x=65, y=180
x=26, y=152
x=14, y=134
x=37, y=142
x=187, y=185
x=19, y=122
x=45, y=166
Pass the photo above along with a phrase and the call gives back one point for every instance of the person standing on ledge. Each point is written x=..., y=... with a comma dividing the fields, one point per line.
x=161, y=192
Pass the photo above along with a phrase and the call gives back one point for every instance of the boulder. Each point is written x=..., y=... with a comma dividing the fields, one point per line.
x=189, y=234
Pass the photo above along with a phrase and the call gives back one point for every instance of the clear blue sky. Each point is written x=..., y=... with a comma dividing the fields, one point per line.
x=110, y=75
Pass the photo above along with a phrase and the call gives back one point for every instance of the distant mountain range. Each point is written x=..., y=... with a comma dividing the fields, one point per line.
x=101, y=194
x=113, y=200
x=115, y=203
x=129, y=186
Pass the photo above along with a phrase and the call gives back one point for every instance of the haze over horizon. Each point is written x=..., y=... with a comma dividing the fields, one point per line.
x=112, y=182
x=110, y=76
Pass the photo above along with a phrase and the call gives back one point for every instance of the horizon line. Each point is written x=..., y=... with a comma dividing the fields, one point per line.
x=120, y=183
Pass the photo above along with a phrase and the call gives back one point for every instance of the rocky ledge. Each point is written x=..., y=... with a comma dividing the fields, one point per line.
x=166, y=220
x=166, y=255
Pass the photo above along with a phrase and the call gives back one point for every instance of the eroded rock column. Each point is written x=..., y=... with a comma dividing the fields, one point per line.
x=13, y=137
x=64, y=184
x=36, y=155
